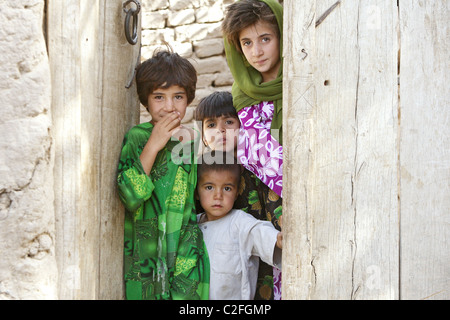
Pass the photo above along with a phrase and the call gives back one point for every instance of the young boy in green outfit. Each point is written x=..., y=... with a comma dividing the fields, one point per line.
x=164, y=253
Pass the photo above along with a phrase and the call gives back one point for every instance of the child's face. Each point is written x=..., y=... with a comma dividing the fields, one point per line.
x=217, y=191
x=221, y=133
x=261, y=47
x=164, y=101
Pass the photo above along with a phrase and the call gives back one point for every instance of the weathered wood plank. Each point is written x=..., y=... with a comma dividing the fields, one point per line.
x=374, y=204
x=425, y=149
x=65, y=59
x=91, y=63
x=298, y=107
x=340, y=209
x=120, y=111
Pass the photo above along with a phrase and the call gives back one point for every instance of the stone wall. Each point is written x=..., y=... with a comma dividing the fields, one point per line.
x=27, y=227
x=193, y=29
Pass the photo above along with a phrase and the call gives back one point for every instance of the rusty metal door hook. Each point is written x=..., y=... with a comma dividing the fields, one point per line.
x=131, y=12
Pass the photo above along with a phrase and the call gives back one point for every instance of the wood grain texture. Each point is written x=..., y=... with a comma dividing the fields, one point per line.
x=341, y=101
x=425, y=149
x=91, y=63
x=298, y=278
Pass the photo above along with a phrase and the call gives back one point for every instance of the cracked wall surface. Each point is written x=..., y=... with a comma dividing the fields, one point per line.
x=27, y=264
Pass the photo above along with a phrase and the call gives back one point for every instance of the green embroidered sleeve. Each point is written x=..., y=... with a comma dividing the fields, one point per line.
x=134, y=186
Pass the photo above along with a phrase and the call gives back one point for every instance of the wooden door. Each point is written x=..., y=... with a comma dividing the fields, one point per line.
x=367, y=175
x=91, y=63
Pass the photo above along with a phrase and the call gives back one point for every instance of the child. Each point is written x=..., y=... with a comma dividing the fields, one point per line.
x=219, y=124
x=164, y=255
x=234, y=238
x=253, y=37
x=218, y=121
x=253, y=45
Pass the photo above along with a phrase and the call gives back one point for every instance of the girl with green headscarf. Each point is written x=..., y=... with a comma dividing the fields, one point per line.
x=253, y=45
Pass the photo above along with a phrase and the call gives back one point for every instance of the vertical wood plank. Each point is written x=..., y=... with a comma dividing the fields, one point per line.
x=64, y=57
x=340, y=208
x=375, y=207
x=298, y=107
x=334, y=148
x=74, y=51
x=88, y=217
x=120, y=111
x=91, y=63
x=425, y=149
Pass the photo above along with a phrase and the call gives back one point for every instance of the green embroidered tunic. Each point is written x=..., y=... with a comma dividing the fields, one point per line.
x=164, y=253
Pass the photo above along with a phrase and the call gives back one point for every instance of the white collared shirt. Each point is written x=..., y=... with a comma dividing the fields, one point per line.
x=235, y=243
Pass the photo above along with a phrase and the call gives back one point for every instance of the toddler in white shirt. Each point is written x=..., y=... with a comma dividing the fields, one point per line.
x=234, y=239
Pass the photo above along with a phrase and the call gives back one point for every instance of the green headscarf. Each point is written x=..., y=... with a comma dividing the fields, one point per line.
x=247, y=88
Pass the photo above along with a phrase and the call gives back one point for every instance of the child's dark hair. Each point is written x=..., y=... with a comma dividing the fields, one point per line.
x=218, y=161
x=243, y=14
x=163, y=70
x=217, y=104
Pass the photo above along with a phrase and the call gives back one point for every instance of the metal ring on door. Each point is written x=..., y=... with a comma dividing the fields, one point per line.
x=132, y=12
